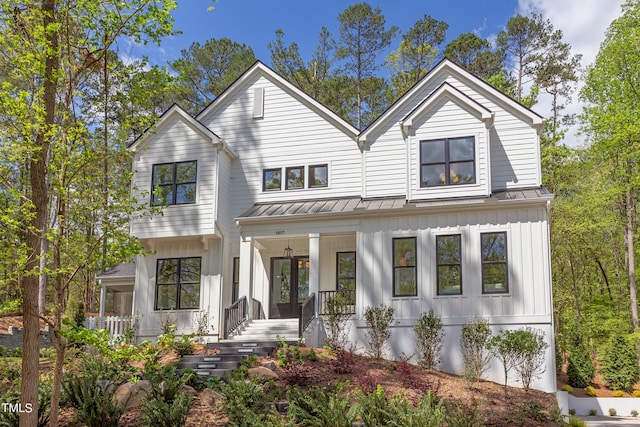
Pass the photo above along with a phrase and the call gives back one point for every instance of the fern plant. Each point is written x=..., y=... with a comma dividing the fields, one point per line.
x=320, y=407
x=166, y=405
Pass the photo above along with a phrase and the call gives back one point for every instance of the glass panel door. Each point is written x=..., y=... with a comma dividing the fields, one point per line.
x=289, y=286
x=302, y=276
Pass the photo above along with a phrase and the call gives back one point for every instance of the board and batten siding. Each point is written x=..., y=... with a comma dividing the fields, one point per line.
x=175, y=142
x=210, y=286
x=513, y=154
x=290, y=133
x=529, y=296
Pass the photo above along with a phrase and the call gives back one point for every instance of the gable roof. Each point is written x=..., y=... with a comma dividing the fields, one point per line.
x=446, y=90
x=259, y=68
x=446, y=65
x=175, y=111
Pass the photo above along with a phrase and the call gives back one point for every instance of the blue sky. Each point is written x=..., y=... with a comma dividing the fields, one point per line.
x=254, y=22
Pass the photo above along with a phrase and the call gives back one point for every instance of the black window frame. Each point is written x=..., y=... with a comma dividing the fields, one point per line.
x=178, y=284
x=286, y=175
x=264, y=179
x=173, y=184
x=311, y=179
x=235, y=279
x=505, y=262
x=352, y=277
x=396, y=267
x=447, y=162
x=448, y=264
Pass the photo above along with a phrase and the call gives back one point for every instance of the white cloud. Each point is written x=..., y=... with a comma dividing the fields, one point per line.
x=583, y=24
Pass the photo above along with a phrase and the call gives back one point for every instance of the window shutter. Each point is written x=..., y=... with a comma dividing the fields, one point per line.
x=258, y=103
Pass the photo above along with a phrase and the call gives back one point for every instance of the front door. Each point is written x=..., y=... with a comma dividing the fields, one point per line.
x=289, y=286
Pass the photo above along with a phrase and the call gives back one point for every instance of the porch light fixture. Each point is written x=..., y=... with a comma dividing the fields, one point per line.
x=288, y=252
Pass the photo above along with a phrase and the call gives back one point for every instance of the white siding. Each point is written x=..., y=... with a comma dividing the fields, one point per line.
x=176, y=142
x=210, y=284
x=529, y=297
x=438, y=124
x=514, y=152
x=289, y=134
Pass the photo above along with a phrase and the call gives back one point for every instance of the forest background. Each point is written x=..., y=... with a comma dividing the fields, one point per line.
x=70, y=105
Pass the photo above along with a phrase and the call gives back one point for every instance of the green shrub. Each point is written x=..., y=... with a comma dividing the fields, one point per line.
x=376, y=409
x=429, y=334
x=618, y=393
x=590, y=391
x=184, y=346
x=473, y=338
x=613, y=412
x=459, y=415
x=11, y=419
x=336, y=317
x=379, y=320
x=619, y=363
x=533, y=410
x=576, y=422
x=636, y=393
x=321, y=407
x=580, y=369
x=166, y=405
x=634, y=413
x=93, y=400
x=567, y=388
x=245, y=402
x=593, y=412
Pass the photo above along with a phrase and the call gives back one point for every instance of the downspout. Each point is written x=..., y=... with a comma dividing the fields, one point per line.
x=219, y=231
x=489, y=123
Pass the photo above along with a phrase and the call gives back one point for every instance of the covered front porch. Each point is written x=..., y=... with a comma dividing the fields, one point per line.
x=291, y=276
x=116, y=300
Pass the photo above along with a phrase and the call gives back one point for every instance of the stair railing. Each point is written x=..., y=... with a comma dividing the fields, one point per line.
x=234, y=316
x=307, y=313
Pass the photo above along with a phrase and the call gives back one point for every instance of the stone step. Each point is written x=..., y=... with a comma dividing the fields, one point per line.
x=248, y=343
x=202, y=364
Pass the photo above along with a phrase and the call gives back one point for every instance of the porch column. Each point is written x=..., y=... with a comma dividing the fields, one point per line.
x=103, y=302
x=245, y=287
x=314, y=266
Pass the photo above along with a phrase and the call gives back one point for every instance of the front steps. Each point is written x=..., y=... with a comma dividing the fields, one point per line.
x=267, y=330
x=259, y=337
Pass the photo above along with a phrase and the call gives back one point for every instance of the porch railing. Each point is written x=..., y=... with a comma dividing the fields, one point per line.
x=343, y=301
x=256, y=310
x=117, y=326
x=234, y=316
x=307, y=313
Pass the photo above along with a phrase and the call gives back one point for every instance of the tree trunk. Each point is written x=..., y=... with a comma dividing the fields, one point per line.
x=631, y=259
x=40, y=199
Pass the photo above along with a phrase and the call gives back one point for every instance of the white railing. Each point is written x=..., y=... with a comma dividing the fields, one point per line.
x=115, y=325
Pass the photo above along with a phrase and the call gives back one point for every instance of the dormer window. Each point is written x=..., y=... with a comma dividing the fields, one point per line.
x=448, y=161
x=174, y=183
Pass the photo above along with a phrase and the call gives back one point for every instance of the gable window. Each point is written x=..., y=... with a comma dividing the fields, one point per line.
x=178, y=283
x=174, y=183
x=271, y=179
x=318, y=176
x=295, y=177
x=449, y=264
x=404, y=267
x=494, y=263
x=448, y=161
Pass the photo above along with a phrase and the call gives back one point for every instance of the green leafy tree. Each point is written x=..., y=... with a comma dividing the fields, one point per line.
x=49, y=50
x=612, y=121
x=476, y=55
x=619, y=363
x=580, y=370
x=379, y=320
x=429, y=334
x=363, y=37
x=415, y=56
x=204, y=71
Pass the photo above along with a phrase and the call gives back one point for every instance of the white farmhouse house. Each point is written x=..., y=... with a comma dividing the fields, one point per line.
x=270, y=201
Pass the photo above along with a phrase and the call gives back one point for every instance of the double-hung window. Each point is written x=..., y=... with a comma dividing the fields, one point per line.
x=174, y=183
x=404, y=267
x=449, y=264
x=178, y=283
x=495, y=276
x=449, y=161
